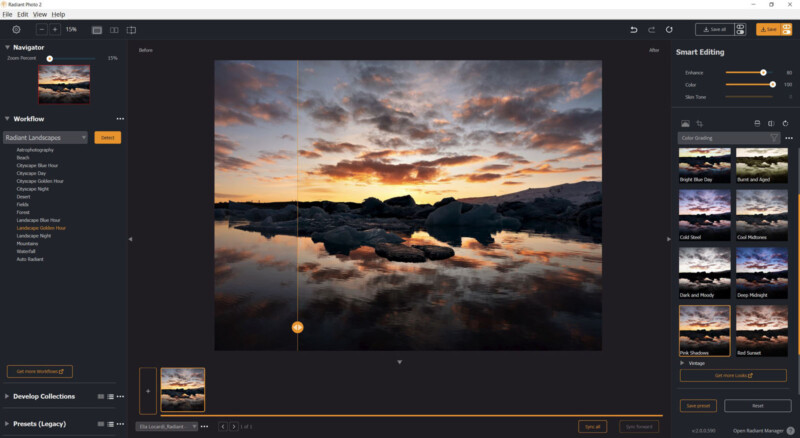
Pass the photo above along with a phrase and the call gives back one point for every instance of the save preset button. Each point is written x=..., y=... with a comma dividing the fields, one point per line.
x=107, y=137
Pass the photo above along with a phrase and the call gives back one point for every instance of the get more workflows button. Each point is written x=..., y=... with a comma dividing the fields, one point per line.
x=39, y=371
x=741, y=375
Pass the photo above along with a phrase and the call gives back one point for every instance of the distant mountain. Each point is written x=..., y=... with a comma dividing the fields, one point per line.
x=577, y=193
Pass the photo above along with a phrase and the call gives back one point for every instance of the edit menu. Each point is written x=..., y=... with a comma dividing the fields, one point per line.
x=734, y=237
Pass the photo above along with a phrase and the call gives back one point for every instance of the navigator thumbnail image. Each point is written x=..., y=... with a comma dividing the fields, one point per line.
x=64, y=84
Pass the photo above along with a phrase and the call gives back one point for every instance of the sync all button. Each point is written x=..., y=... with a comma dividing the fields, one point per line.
x=758, y=406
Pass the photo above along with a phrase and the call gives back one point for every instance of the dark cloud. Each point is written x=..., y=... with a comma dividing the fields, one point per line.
x=272, y=157
x=244, y=94
x=328, y=113
x=579, y=121
x=393, y=142
x=326, y=146
x=483, y=177
x=224, y=147
x=309, y=154
x=379, y=77
x=525, y=110
x=368, y=170
x=492, y=167
x=367, y=108
x=511, y=183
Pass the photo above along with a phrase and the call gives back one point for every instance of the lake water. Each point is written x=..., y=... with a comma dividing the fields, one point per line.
x=512, y=291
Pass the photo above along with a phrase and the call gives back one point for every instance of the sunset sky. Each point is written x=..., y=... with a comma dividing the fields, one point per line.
x=762, y=202
x=705, y=317
x=185, y=378
x=703, y=152
x=692, y=202
x=761, y=152
x=762, y=259
x=63, y=74
x=693, y=259
x=762, y=317
x=431, y=129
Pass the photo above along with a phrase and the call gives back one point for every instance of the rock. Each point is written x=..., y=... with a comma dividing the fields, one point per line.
x=511, y=223
x=447, y=215
x=255, y=214
x=424, y=212
x=401, y=201
x=444, y=202
x=346, y=236
x=313, y=213
x=434, y=252
x=339, y=207
x=372, y=207
x=375, y=236
x=482, y=215
x=288, y=213
x=540, y=208
x=452, y=215
x=400, y=253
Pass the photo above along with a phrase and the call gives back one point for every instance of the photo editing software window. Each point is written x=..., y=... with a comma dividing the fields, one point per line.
x=509, y=219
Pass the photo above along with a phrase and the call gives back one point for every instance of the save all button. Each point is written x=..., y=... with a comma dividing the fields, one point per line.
x=107, y=137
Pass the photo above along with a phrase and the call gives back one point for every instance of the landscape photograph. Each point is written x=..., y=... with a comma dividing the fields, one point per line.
x=762, y=273
x=704, y=273
x=64, y=84
x=704, y=215
x=408, y=205
x=704, y=165
x=183, y=390
x=762, y=215
x=705, y=331
x=762, y=331
x=762, y=165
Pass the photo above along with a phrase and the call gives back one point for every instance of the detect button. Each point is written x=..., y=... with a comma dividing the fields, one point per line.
x=107, y=137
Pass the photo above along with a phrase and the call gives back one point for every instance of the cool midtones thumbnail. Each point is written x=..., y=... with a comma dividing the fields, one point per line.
x=183, y=389
x=704, y=215
x=705, y=331
x=704, y=273
x=64, y=84
x=762, y=273
x=762, y=165
x=762, y=215
x=408, y=205
x=762, y=331
x=704, y=165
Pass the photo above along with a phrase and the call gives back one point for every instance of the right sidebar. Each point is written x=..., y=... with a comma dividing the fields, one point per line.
x=734, y=236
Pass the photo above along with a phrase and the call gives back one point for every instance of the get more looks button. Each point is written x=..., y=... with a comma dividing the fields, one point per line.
x=39, y=371
x=107, y=137
x=731, y=375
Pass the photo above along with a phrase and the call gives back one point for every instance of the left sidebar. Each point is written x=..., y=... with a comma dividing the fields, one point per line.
x=63, y=232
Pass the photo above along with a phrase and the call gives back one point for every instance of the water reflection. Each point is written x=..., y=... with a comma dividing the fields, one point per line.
x=501, y=291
